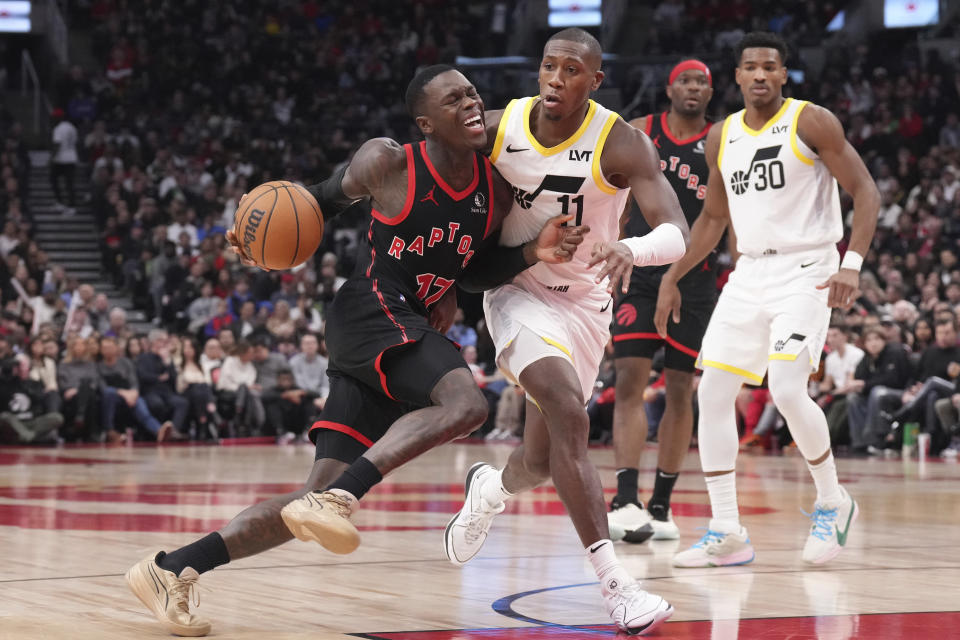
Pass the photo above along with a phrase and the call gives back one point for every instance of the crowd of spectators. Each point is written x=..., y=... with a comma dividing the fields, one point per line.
x=195, y=102
x=161, y=387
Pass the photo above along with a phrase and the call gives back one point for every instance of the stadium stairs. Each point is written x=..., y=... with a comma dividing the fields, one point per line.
x=73, y=241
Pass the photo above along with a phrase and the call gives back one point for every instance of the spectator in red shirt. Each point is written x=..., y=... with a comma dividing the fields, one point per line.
x=911, y=124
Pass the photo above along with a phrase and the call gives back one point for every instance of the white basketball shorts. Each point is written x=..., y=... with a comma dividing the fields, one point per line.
x=573, y=323
x=770, y=309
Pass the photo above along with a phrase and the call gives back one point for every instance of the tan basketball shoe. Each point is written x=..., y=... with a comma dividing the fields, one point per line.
x=167, y=596
x=323, y=517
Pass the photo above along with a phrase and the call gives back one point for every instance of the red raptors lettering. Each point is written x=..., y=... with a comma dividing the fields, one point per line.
x=683, y=172
x=398, y=245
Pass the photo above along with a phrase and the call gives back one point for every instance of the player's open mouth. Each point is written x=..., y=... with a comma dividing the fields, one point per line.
x=474, y=123
x=550, y=101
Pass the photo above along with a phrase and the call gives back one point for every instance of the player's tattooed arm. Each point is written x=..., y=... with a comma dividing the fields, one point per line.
x=377, y=170
x=822, y=132
x=706, y=233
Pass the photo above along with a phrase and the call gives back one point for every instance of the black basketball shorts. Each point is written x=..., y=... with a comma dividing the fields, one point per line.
x=357, y=414
x=635, y=336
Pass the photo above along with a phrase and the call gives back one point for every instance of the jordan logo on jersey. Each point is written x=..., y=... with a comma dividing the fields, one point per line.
x=430, y=196
x=765, y=171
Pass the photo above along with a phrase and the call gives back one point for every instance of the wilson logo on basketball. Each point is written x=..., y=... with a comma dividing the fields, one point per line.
x=626, y=314
x=250, y=228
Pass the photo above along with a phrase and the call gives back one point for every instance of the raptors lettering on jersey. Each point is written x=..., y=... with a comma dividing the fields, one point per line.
x=431, y=242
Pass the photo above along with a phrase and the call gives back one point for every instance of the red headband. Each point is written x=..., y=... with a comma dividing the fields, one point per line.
x=686, y=65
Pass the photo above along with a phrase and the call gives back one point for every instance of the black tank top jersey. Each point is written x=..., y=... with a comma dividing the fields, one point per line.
x=684, y=164
x=421, y=252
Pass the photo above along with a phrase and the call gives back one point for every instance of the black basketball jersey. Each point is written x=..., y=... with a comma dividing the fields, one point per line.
x=421, y=252
x=684, y=163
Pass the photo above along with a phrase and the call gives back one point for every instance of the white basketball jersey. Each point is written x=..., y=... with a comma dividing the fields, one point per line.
x=559, y=180
x=782, y=197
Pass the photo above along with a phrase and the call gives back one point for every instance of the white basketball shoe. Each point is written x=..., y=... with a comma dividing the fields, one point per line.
x=716, y=549
x=634, y=610
x=629, y=522
x=664, y=528
x=830, y=528
x=467, y=531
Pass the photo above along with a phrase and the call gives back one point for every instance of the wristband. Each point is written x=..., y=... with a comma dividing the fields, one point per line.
x=662, y=245
x=852, y=260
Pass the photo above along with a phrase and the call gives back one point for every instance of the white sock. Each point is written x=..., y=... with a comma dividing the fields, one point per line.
x=825, y=477
x=723, y=502
x=492, y=489
x=608, y=568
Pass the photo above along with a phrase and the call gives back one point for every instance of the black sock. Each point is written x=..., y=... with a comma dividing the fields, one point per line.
x=360, y=477
x=627, y=485
x=663, y=487
x=203, y=555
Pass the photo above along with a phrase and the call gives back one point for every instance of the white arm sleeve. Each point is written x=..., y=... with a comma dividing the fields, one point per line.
x=663, y=245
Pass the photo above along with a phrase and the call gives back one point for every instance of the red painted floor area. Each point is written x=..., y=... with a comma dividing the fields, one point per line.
x=900, y=626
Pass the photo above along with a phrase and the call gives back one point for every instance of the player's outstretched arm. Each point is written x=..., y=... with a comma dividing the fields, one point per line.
x=630, y=160
x=706, y=233
x=823, y=133
x=367, y=175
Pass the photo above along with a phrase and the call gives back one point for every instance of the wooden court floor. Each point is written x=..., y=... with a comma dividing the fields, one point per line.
x=73, y=520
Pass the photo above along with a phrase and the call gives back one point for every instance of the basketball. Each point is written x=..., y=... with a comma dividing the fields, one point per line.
x=279, y=225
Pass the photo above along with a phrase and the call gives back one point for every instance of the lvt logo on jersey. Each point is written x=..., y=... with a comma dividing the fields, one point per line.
x=577, y=156
x=765, y=171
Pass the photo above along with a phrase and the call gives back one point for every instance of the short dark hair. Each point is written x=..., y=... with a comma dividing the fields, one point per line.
x=764, y=40
x=261, y=340
x=944, y=319
x=579, y=36
x=416, y=88
x=875, y=331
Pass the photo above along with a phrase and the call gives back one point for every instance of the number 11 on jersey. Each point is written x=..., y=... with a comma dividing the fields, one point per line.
x=564, y=200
